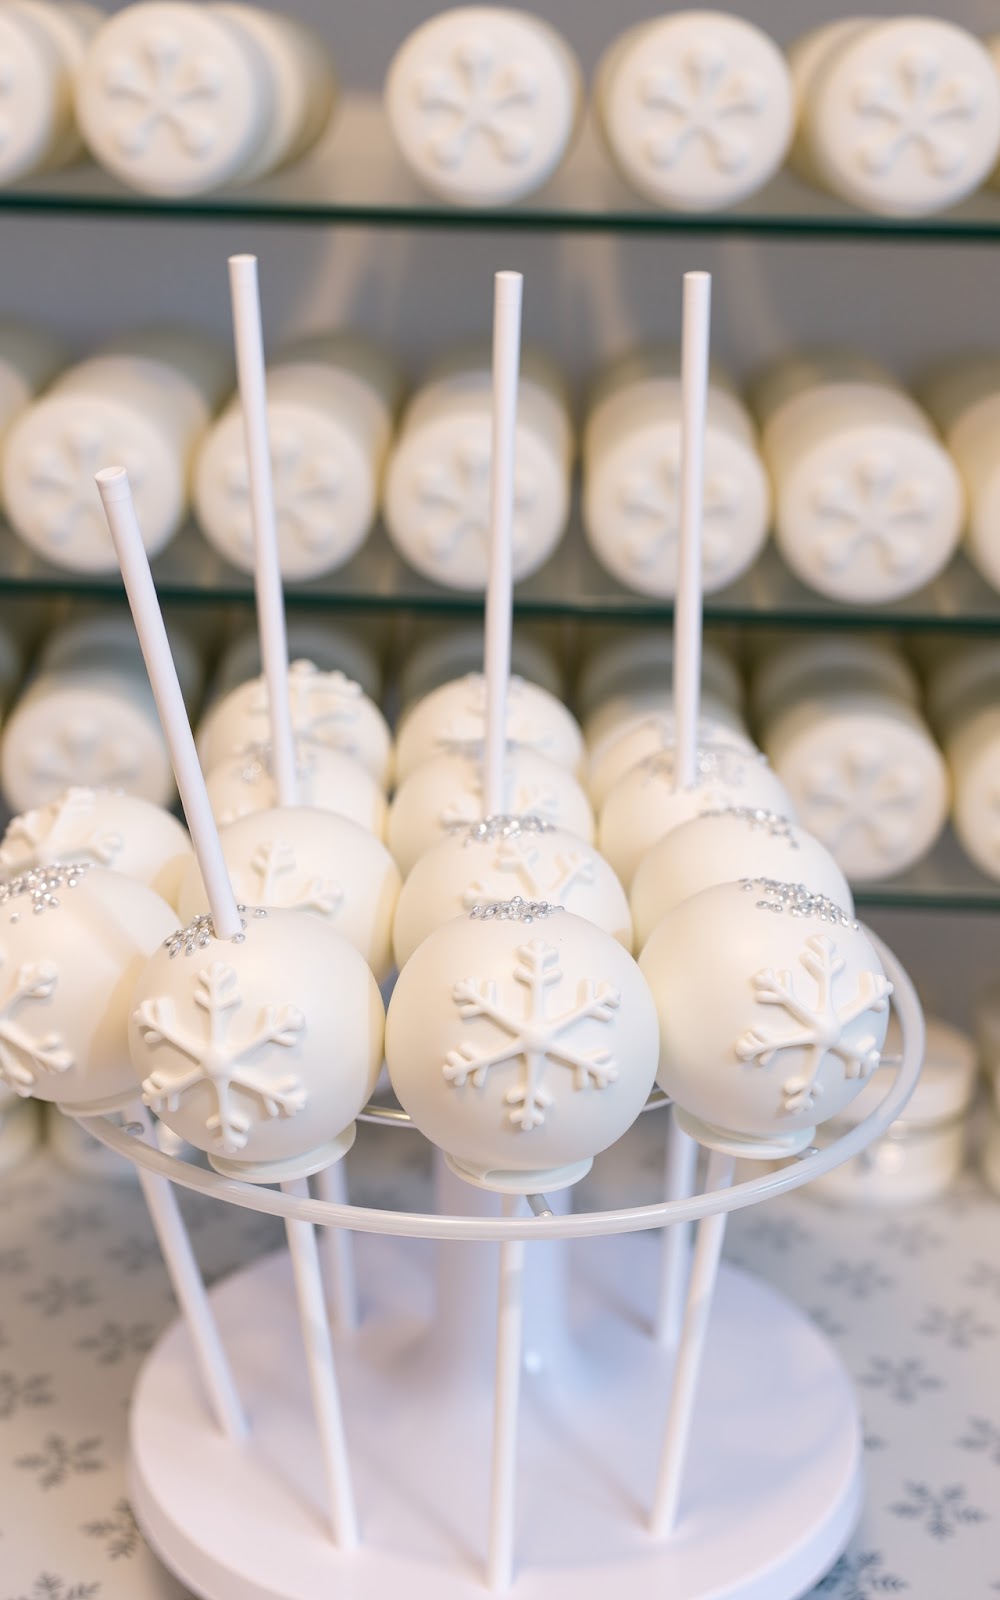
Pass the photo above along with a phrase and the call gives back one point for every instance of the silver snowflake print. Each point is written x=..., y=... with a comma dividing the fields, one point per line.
x=84, y=752
x=475, y=98
x=703, y=97
x=819, y=1026
x=64, y=824
x=523, y=867
x=531, y=1036
x=453, y=493
x=875, y=502
x=861, y=1577
x=325, y=708
x=903, y=1381
x=307, y=487
x=959, y=1327
x=214, y=1058
x=916, y=104
x=49, y=1587
x=57, y=1460
x=863, y=788
x=60, y=475
x=941, y=1513
x=17, y=1393
x=161, y=88
x=119, y=1532
x=26, y=1058
x=280, y=881
x=650, y=497
x=859, y=1279
x=983, y=1437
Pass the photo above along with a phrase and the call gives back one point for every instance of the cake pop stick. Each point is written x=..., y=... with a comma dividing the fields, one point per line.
x=681, y=1164
x=510, y=1332
x=337, y=1248
x=499, y=587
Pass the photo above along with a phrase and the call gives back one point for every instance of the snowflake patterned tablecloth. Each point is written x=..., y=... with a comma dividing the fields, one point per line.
x=911, y=1299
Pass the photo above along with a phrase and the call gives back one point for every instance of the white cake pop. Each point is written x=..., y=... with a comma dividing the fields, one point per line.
x=646, y=735
x=522, y=1041
x=310, y=860
x=644, y=805
x=773, y=1010
x=105, y=828
x=73, y=941
x=454, y=716
x=260, y=1050
x=327, y=708
x=447, y=792
x=500, y=858
x=327, y=779
x=722, y=847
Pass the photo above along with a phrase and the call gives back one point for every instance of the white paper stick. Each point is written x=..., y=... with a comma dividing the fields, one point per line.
x=704, y=1271
x=336, y=1247
x=268, y=587
x=507, y=288
x=688, y=604
x=322, y=1372
x=675, y=1249
x=116, y=496
x=189, y=1289
x=506, y=1397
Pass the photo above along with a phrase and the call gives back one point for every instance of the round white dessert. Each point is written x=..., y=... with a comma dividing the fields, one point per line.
x=107, y=829
x=973, y=749
x=499, y=859
x=645, y=734
x=453, y=717
x=303, y=859
x=327, y=781
x=521, y=1044
x=773, y=1010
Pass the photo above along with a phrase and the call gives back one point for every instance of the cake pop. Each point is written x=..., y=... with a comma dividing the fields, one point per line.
x=327, y=780
x=647, y=734
x=106, y=828
x=453, y=717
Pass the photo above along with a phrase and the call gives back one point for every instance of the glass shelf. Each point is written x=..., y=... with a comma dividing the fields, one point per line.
x=355, y=177
x=945, y=880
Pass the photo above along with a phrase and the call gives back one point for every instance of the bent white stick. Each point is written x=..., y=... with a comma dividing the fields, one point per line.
x=506, y=1399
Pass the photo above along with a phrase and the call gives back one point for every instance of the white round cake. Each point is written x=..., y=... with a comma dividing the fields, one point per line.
x=647, y=733
x=453, y=717
x=105, y=828
x=327, y=780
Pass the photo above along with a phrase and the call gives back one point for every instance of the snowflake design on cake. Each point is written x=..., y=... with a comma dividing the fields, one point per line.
x=650, y=498
x=862, y=788
x=158, y=87
x=325, y=707
x=87, y=753
x=62, y=825
x=915, y=104
x=874, y=501
x=307, y=487
x=467, y=728
x=697, y=97
x=221, y=1062
x=528, y=799
x=520, y=860
x=60, y=475
x=818, y=1027
x=715, y=763
x=24, y=1059
x=532, y=1037
x=280, y=881
x=475, y=97
x=452, y=491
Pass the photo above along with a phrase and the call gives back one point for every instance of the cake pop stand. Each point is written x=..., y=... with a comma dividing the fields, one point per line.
x=773, y=1484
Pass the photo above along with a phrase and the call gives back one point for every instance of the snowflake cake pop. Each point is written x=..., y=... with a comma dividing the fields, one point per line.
x=73, y=941
x=773, y=1010
x=722, y=847
x=260, y=1050
x=309, y=860
x=327, y=780
x=327, y=708
x=107, y=829
x=522, y=1040
x=453, y=717
x=447, y=792
x=644, y=735
x=644, y=805
x=497, y=859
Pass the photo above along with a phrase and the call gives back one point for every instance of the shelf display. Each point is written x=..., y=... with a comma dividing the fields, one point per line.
x=43, y=46
x=965, y=701
x=963, y=397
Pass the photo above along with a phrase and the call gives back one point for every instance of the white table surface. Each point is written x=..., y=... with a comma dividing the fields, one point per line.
x=911, y=1299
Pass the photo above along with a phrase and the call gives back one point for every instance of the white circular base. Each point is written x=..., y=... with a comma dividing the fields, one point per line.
x=772, y=1493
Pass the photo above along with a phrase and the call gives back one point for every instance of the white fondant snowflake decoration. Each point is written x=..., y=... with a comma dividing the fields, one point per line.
x=875, y=501
x=535, y=875
x=63, y=825
x=819, y=1027
x=915, y=104
x=521, y=800
x=453, y=493
x=60, y=475
x=698, y=98
x=650, y=497
x=468, y=726
x=86, y=754
x=863, y=788
x=159, y=86
x=475, y=98
x=325, y=707
x=212, y=1056
x=307, y=488
x=23, y=1058
x=280, y=882
x=532, y=1037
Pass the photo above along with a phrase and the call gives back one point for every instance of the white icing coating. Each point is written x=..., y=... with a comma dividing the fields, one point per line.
x=963, y=396
x=638, y=660
x=453, y=716
x=328, y=780
x=447, y=792
x=972, y=746
x=499, y=861
x=327, y=708
x=644, y=804
x=73, y=942
x=722, y=847
x=483, y=101
x=696, y=108
x=106, y=828
x=36, y=108
x=444, y=651
x=29, y=359
x=521, y=1048
x=260, y=1051
x=309, y=860
x=303, y=85
x=812, y=664
x=331, y=647
x=773, y=1009
x=643, y=735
